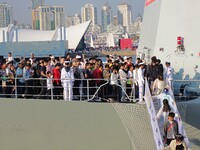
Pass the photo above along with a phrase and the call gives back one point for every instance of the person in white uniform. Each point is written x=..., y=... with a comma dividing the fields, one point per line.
x=141, y=81
x=135, y=80
x=67, y=79
x=123, y=79
x=169, y=74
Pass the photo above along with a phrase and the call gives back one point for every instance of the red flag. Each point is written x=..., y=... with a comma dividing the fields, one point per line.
x=148, y=2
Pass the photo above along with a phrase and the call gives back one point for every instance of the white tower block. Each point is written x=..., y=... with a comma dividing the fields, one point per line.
x=163, y=22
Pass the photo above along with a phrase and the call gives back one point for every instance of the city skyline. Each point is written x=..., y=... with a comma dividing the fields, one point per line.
x=71, y=8
x=106, y=16
x=6, y=15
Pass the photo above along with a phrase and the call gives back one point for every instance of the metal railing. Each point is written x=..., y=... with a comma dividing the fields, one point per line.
x=87, y=89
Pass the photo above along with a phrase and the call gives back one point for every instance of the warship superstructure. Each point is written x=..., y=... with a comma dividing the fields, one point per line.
x=171, y=32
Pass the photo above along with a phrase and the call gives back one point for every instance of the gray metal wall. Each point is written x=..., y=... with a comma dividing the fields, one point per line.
x=40, y=49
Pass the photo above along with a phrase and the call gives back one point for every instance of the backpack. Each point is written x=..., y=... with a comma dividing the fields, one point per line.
x=180, y=147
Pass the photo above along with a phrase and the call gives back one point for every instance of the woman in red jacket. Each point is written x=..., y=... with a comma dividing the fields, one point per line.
x=56, y=81
x=98, y=76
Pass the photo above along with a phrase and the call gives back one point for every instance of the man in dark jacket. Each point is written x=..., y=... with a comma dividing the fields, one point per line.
x=170, y=128
x=160, y=67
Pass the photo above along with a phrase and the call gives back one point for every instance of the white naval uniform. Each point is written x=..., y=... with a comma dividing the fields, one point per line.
x=169, y=75
x=141, y=83
x=67, y=79
x=135, y=76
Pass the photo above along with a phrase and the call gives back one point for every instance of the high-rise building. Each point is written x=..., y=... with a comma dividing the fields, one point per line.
x=106, y=16
x=89, y=12
x=125, y=15
x=69, y=21
x=6, y=15
x=48, y=17
x=77, y=19
x=115, y=20
x=45, y=17
x=58, y=16
x=37, y=3
x=35, y=19
x=135, y=28
x=73, y=20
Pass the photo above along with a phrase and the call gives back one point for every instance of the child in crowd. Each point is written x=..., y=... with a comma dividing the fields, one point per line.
x=49, y=84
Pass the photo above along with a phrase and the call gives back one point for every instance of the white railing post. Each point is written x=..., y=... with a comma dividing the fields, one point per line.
x=16, y=88
x=133, y=90
x=81, y=90
x=88, y=89
x=52, y=90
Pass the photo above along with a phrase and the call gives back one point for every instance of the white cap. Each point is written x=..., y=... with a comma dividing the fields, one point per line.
x=125, y=57
x=67, y=62
x=142, y=63
x=78, y=57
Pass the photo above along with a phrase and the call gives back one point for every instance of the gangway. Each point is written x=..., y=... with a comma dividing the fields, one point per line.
x=153, y=104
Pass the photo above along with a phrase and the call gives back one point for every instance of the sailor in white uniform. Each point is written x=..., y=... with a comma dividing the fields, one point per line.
x=141, y=82
x=169, y=74
x=67, y=79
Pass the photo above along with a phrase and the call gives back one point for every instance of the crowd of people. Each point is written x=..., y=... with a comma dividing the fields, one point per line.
x=74, y=78
x=68, y=78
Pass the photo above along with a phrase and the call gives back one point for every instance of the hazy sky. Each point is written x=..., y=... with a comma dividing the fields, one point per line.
x=22, y=11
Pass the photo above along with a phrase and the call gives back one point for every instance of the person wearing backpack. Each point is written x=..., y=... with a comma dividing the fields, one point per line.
x=177, y=144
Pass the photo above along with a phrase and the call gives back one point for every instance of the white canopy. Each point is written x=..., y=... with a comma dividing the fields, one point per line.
x=73, y=34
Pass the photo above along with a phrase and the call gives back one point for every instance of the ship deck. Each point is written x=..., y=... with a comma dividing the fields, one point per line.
x=61, y=125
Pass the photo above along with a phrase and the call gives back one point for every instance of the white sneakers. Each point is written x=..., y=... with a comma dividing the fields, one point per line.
x=141, y=102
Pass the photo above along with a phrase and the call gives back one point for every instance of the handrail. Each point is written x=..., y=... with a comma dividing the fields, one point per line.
x=179, y=120
x=98, y=90
x=152, y=114
x=180, y=123
x=14, y=84
x=186, y=80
